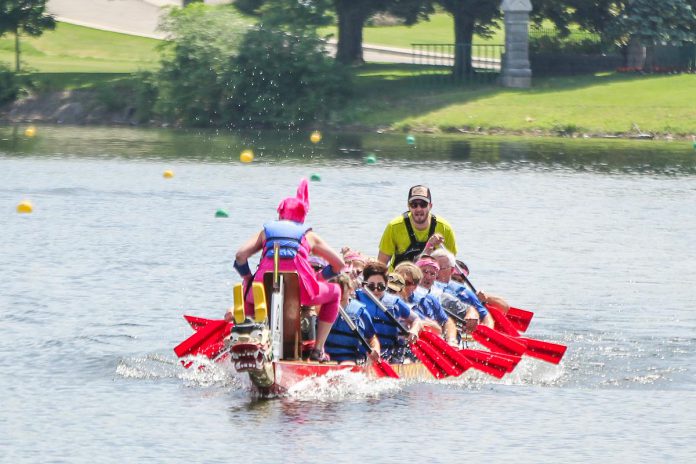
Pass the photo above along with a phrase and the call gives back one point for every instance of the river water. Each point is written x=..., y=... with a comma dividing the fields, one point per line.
x=596, y=237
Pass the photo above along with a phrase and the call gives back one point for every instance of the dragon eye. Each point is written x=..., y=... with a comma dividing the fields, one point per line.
x=234, y=336
x=256, y=334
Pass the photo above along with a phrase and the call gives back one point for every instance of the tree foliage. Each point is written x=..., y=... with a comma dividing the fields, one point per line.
x=24, y=17
x=666, y=21
x=285, y=80
x=219, y=71
x=196, y=77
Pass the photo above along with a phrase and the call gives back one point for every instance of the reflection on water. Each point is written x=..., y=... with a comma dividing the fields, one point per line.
x=593, y=155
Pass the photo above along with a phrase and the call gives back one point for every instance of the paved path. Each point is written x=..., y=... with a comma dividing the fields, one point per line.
x=140, y=17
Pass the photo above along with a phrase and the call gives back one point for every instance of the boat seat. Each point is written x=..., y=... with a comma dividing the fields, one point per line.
x=292, y=338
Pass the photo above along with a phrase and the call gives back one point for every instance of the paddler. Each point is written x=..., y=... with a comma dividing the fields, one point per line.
x=417, y=230
x=375, y=281
x=343, y=345
x=444, y=282
x=296, y=242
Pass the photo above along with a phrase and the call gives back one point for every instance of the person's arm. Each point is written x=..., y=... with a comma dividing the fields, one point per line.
x=450, y=241
x=322, y=249
x=376, y=348
x=387, y=247
x=450, y=330
x=248, y=249
x=493, y=300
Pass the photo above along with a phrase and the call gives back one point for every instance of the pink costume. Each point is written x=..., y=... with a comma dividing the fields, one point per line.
x=312, y=291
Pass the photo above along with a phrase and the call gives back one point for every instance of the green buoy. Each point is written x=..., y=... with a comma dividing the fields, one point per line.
x=411, y=140
x=370, y=159
x=315, y=178
x=221, y=213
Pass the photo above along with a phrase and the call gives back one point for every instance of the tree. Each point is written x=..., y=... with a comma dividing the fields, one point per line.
x=351, y=16
x=647, y=23
x=470, y=17
x=24, y=17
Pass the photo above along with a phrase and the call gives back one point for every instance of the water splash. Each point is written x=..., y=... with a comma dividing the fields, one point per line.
x=342, y=385
x=202, y=372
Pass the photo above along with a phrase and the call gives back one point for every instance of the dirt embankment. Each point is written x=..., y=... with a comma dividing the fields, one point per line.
x=78, y=107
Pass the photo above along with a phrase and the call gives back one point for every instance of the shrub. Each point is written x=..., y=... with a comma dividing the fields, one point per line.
x=284, y=79
x=197, y=62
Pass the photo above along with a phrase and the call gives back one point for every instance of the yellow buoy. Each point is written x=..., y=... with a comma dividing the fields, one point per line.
x=247, y=156
x=315, y=137
x=30, y=131
x=168, y=174
x=25, y=207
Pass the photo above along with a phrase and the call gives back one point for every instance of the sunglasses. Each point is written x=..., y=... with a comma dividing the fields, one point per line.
x=418, y=204
x=429, y=272
x=373, y=286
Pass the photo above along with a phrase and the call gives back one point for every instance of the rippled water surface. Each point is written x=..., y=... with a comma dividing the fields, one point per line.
x=596, y=237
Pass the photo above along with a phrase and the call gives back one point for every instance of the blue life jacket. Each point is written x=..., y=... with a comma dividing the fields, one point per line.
x=465, y=296
x=430, y=307
x=387, y=331
x=287, y=234
x=342, y=344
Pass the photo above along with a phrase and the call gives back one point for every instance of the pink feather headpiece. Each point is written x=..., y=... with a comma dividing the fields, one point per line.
x=296, y=208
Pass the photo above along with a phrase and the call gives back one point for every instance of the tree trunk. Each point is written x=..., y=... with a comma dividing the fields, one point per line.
x=463, y=37
x=17, y=50
x=351, y=19
x=636, y=54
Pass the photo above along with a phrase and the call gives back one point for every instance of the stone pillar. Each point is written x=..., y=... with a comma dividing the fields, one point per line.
x=516, y=71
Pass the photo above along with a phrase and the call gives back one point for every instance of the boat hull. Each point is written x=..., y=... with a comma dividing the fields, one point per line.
x=290, y=373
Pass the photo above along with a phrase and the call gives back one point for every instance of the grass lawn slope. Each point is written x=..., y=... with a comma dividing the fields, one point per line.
x=80, y=49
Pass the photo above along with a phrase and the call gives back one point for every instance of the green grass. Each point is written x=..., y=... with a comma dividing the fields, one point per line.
x=72, y=48
x=439, y=29
x=391, y=96
x=398, y=96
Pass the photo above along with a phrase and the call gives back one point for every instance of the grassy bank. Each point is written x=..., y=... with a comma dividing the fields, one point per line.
x=401, y=96
x=76, y=49
x=610, y=103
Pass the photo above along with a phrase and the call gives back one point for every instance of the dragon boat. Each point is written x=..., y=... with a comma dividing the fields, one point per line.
x=270, y=347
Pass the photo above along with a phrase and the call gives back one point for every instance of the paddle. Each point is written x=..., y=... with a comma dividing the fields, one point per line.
x=441, y=362
x=207, y=341
x=519, y=317
x=546, y=351
x=381, y=367
x=492, y=363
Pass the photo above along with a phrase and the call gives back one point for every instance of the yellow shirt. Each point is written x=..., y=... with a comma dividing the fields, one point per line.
x=395, y=239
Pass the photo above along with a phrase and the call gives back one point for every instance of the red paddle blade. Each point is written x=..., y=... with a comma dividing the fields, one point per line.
x=501, y=322
x=547, y=351
x=207, y=340
x=520, y=318
x=197, y=322
x=498, y=342
x=383, y=369
x=488, y=362
x=450, y=354
x=428, y=362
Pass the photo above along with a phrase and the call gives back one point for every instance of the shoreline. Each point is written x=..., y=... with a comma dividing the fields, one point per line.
x=81, y=108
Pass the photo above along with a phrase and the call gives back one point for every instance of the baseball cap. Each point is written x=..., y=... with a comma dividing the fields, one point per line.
x=419, y=192
x=395, y=282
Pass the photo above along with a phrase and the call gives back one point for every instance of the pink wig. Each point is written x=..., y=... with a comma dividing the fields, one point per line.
x=296, y=208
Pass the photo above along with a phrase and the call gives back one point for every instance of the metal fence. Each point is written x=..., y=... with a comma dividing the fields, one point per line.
x=458, y=63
